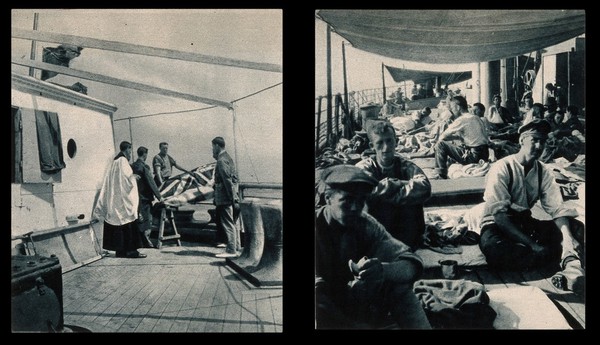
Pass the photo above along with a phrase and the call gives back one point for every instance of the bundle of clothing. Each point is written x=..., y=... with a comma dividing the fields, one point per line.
x=455, y=304
x=457, y=170
x=568, y=147
x=445, y=233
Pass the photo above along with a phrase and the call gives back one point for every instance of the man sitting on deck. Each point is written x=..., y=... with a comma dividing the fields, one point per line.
x=510, y=237
x=362, y=274
x=397, y=201
x=467, y=127
x=497, y=115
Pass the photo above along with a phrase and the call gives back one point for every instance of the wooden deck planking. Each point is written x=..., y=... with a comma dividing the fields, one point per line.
x=202, y=308
x=159, y=300
x=248, y=320
x=276, y=307
x=141, y=304
x=179, y=289
x=174, y=290
x=126, y=305
x=108, y=291
x=233, y=314
x=216, y=315
x=264, y=313
x=490, y=278
x=511, y=278
x=190, y=300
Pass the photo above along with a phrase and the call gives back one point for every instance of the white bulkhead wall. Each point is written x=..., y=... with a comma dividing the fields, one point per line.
x=42, y=201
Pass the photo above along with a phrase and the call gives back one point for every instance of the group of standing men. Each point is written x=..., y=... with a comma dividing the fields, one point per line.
x=128, y=191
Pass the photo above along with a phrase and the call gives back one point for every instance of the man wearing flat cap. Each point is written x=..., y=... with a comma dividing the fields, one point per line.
x=363, y=276
x=511, y=238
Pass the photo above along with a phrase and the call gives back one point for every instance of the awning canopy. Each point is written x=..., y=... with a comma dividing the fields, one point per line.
x=454, y=36
x=422, y=76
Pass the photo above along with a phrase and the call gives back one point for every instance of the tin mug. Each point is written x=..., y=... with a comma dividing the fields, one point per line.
x=449, y=268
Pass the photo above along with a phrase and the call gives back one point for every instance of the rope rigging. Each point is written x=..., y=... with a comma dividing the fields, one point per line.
x=238, y=131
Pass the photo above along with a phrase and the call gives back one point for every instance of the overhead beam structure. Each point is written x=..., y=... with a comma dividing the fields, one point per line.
x=120, y=82
x=121, y=47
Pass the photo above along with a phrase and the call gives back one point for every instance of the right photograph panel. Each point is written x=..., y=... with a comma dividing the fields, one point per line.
x=450, y=169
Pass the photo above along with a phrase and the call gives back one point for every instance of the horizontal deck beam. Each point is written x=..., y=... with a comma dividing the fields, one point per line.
x=121, y=47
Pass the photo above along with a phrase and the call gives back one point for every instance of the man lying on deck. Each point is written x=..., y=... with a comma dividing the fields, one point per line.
x=511, y=238
x=363, y=276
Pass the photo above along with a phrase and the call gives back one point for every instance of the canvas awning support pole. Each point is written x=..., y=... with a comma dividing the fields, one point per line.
x=130, y=132
x=33, y=44
x=568, y=79
x=237, y=166
x=329, y=110
x=345, y=78
x=503, y=83
x=383, y=80
x=318, y=124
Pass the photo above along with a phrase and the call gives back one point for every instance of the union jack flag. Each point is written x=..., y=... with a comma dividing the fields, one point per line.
x=189, y=187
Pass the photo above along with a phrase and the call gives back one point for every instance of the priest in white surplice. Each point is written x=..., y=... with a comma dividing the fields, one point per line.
x=118, y=206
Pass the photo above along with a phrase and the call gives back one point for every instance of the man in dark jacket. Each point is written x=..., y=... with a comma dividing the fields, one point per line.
x=363, y=275
x=147, y=190
x=402, y=188
x=226, y=197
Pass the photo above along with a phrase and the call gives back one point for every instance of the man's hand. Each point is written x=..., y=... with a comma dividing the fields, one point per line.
x=371, y=269
x=137, y=177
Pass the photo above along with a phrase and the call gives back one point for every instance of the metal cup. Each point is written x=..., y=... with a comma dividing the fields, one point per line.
x=449, y=268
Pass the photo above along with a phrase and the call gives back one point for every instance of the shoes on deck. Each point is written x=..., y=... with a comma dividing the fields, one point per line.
x=571, y=278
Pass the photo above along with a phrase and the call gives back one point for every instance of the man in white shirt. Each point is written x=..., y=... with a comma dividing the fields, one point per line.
x=510, y=237
x=470, y=130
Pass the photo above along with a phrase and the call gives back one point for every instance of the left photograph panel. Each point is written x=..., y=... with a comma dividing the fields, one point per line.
x=145, y=195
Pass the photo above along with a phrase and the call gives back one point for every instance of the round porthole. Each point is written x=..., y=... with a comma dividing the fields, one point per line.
x=71, y=148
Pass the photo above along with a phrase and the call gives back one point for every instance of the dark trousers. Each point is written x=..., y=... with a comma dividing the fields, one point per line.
x=350, y=310
x=461, y=154
x=504, y=253
x=221, y=234
x=145, y=221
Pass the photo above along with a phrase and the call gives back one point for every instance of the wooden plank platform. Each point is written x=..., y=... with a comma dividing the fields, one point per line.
x=177, y=289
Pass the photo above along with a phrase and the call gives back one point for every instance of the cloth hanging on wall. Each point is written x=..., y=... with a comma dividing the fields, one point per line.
x=49, y=142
